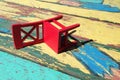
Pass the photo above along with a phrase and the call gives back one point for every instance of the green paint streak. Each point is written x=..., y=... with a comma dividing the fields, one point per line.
x=4, y=23
x=6, y=41
x=24, y=16
x=106, y=47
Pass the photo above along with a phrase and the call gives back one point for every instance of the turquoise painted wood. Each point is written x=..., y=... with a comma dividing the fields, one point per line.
x=92, y=1
x=4, y=30
x=15, y=68
x=95, y=60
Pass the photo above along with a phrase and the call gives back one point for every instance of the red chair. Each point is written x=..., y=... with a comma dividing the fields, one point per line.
x=55, y=38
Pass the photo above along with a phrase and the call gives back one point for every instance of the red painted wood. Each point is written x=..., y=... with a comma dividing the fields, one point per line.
x=51, y=36
x=16, y=36
x=19, y=41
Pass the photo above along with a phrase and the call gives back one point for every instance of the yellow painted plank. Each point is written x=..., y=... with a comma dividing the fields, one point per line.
x=114, y=3
x=102, y=15
x=63, y=57
x=112, y=53
x=7, y=14
x=5, y=7
x=101, y=32
x=51, y=0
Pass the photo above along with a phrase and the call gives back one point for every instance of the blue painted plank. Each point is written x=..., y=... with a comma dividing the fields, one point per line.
x=102, y=7
x=99, y=56
x=15, y=68
x=89, y=63
x=89, y=55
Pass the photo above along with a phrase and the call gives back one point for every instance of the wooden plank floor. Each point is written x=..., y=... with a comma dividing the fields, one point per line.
x=103, y=28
